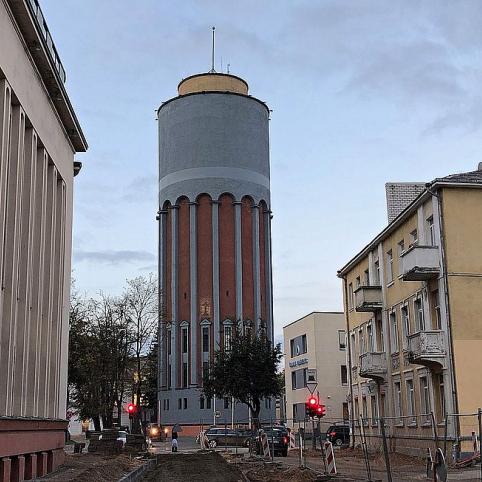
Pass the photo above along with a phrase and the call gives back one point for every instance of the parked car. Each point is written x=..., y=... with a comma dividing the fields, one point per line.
x=154, y=433
x=278, y=439
x=227, y=437
x=338, y=435
x=122, y=436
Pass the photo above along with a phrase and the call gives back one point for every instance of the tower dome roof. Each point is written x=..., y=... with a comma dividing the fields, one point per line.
x=212, y=82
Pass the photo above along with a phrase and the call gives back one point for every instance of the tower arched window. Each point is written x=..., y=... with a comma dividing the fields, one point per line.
x=228, y=334
x=205, y=336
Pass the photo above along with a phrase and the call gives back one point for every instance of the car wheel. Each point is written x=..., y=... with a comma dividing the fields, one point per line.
x=338, y=442
x=212, y=444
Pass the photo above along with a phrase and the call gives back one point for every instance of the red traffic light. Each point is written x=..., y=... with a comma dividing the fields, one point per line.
x=131, y=408
x=312, y=401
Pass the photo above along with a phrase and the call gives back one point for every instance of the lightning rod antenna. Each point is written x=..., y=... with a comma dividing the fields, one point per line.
x=212, y=54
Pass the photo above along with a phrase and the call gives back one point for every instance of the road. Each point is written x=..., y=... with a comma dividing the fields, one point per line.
x=194, y=467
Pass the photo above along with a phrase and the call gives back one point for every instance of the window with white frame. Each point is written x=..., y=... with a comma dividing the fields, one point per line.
x=367, y=277
x=411, y=399
x=437, y=320
x=394, y=332
x=374, y=409
x=419, y=317
x=377, y=279
x=353, y=349
x=357, y=282
x=389, y=266
x=401, y=250
x=341, y=340
x=228, y=333
x=344, y=375
x=430, y=231
x=370, y=338
x=413, y=237
x=380, y=338
x=441, y=396
x=184, y=337
x=205, y=338
x=398, y=399
x=405, y=321
x=424, y=397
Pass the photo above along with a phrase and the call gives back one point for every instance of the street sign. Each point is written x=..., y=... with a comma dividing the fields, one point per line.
x=218, y=414
x=311, y=382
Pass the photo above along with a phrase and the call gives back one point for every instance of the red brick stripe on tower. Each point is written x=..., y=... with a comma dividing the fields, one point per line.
x=247, y=256
x=262, y=259
x=227, y=264
x=204, y=271
x=167, y=274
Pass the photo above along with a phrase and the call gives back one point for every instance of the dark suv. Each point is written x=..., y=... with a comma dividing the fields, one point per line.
x=227, y=437
x=338, y=435
x=278, y=440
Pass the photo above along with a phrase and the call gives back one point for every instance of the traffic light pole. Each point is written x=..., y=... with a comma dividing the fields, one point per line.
x=313, y=429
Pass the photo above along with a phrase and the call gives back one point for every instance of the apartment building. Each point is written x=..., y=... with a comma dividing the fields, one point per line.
x=413, y=297
x=39, y=135
x=316, y=341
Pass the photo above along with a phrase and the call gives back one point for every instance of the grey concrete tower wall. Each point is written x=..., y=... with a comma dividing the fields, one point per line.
x=213, y=143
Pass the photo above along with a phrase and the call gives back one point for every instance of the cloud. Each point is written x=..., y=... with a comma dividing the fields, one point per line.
x=141, y=189
x=113, y=257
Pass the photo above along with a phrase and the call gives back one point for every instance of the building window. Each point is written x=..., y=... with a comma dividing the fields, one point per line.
x=398, y=400
x=201, y=403
x=401, y=250
x=405, y=321
x=430, y=232
x=208, y=403
x=411, y=400
x=169, y=373
x=179, y=403
x=353, y=349
x=413, y=237
x=184, y=375
x=226, y=402
x=425, y=399
x=374, y=409
x=380, y=338
x=227, y=337
x=293, y=380
x=205, y=369
x=371, y=346
x=185, y=403
x=168, y=335
x=205, y=339
x=419, y=318
x=344, y=375
x=394, y=332
x=367, y=277
x=441, y=416
x=345, y=411
x=350, y=296
x=267, y=403
x=361, y=341
x=184, y=340
x=292, y=348
x=341, y=339
x=377, y=273
x=357, y=282
x=357, y=409
x=389, y=266
x=364, y=411
x=437, y=320
x=304, y=344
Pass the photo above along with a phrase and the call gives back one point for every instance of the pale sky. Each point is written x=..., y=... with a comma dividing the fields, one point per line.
x=363, y=92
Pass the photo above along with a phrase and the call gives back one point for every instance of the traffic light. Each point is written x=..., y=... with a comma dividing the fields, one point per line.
x=314, y=408
x=131, y=409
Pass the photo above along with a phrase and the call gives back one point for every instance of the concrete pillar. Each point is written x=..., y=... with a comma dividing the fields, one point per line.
x=175, y=321
x=42, y=464
x=30, y=466
x=193, y=278
x=256, y=268
x=18, y=469
x=215, y=225
x=12, y=252
x=238, y=262
x=5, y=469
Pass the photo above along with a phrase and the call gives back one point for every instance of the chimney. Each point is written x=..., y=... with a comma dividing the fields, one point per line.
x=400, y=195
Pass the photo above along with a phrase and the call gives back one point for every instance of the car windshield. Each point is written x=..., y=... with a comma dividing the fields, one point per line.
x=275, y=431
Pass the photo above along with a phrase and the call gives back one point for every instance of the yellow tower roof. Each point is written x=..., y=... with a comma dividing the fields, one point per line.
x=212, y=82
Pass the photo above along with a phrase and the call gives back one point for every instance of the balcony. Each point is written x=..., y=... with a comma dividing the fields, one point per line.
x=420, y=263
x=427, y=348
x=368, y=298
x=373, y=365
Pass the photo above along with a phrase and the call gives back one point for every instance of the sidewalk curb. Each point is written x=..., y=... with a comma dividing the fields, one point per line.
x=139, y=471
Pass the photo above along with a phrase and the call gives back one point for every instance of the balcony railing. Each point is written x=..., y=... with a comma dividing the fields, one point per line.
x=420, y=263
x=368, y=298
x=427, y=348
x=373, y=365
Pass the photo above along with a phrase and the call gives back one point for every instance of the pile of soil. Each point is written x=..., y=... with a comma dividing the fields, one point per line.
x=93, y=467
x=276, y=473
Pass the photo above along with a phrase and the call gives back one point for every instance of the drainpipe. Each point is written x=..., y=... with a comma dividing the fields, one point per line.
x=450, y=345
x=351, y=407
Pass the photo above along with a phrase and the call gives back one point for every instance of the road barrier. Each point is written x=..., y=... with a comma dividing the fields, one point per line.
x=203, y=440
x=329, y=457
x=265, y=445
x=292, y=440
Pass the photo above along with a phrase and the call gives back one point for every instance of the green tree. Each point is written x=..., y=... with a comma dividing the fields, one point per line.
x=247, y=371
